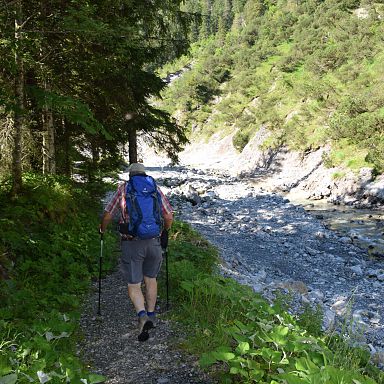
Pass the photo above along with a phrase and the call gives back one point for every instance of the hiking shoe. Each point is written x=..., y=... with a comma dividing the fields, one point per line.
x=152, y=318
x=145, y=324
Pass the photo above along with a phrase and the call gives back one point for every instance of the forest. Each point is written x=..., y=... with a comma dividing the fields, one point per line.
x=83, y=83
x=75, y=81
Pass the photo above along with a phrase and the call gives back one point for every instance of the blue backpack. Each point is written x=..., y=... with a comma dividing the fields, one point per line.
x=143, y=202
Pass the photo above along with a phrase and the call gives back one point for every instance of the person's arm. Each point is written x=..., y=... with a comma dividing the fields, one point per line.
x=107, y=217
x=168, y=220
x=166, y=211
x=110, y=209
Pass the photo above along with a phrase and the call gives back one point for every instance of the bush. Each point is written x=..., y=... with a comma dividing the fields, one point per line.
x=240, y=140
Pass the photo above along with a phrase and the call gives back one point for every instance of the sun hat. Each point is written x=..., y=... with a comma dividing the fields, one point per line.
x=136, y=168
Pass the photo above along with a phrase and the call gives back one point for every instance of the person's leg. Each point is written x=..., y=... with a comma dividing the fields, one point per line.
x=150, y=292
x=136, y=295
x=151, y=268
x=137, y=298
x=131, y=266
x=133, y=254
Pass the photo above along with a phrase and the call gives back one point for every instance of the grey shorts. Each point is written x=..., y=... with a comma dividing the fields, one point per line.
x=140, y=258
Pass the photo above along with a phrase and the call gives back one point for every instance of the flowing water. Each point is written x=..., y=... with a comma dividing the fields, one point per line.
x=364, y=226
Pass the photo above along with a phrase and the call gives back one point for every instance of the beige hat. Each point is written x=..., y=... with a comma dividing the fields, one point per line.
x=136, y=168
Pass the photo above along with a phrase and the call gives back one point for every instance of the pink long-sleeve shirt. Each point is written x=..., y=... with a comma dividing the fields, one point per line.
x=117, y=202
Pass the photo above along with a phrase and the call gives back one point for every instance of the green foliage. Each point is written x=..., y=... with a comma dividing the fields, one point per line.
x=310, y=71
x=347, y=153
x=74, y=111
x=240, y=139
x=242, y=338
x=50, y=250
x=338, y=175
x=311, y=319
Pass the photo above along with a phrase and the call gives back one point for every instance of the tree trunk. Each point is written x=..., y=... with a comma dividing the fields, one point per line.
x=49, y=160
x=132, y=142
x=49, y=155
x=92, y=164
x=45, y=149
x=19, y=118
x=67, y=150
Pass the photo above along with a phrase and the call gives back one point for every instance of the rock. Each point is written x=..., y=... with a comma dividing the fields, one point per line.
x=261, y=275
x=162, y=380
x=210, y=194
x=340, y=306
x=357, y=270
x=191, y=195
x=378, y=358
x=311, y=251
x=168, y=182
x=316, y=295
x=380, y=277
x=305, y=300
x=258, y=288
x=373, y=273
x=329, y=319
x=321, y=235
x=296, y=286
x=376, y=188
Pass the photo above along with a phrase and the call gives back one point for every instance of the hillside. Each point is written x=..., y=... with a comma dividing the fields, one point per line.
x=302, y=76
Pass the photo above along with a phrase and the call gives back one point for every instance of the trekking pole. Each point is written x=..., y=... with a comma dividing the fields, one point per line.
x=167, y=277
x=100, y=263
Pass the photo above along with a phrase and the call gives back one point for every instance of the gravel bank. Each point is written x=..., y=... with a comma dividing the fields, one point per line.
x=270, y=244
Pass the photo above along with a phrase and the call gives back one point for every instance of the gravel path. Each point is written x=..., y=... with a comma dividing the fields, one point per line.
x=265, y=242
x=111, y=348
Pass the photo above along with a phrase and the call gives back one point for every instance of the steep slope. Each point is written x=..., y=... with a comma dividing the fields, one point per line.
x=286, y=75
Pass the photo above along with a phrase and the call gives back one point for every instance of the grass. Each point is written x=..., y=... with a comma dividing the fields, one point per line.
x=349, y=155
x=242, y=338
x=338, y=175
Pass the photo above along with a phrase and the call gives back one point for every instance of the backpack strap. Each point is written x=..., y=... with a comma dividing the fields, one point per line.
x=134, y=206
x=157, y=205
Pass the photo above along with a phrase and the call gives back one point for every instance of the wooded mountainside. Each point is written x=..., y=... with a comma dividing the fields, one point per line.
x=311, y=72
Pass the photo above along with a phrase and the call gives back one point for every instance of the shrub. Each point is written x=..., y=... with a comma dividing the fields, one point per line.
x=240, y=139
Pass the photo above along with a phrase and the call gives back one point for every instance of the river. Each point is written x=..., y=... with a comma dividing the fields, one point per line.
x=364, y=226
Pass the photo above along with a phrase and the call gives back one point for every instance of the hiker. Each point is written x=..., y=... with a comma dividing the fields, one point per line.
x=141, y=245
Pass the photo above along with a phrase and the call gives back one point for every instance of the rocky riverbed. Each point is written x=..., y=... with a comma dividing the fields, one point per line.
x=270, y=244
